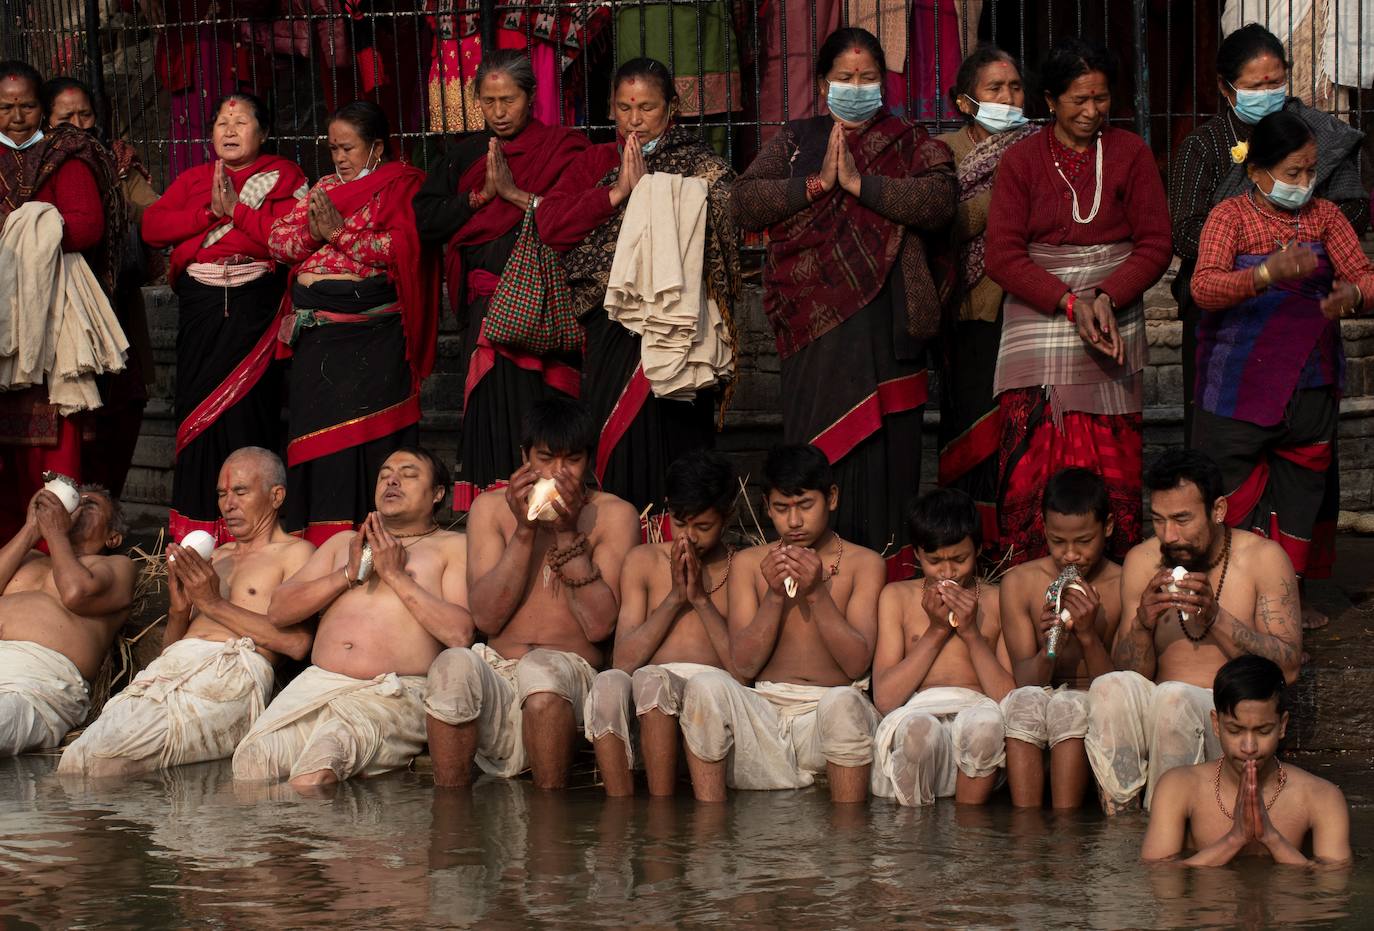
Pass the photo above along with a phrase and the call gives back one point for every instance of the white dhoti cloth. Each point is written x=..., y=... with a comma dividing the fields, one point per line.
x=776, y=735
x=921, y=747
x=42, y=697
x=1045, y=717
x=483, y=686
x=325, y=720
x=193, y=703
x=658, y=687
x=1138, y=731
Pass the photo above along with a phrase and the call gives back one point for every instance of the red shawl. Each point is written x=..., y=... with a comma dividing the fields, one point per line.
x=537, y=157
x=830, y=260
x=411, y=268
x=198, y=181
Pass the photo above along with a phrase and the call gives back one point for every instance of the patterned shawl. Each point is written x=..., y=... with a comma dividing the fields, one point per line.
x=680, y=152
x=26, y=172
x=975, y=177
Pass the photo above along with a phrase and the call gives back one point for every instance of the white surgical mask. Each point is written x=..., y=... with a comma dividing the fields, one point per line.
x=21, y=146
x=997, y=117
x=367, y=170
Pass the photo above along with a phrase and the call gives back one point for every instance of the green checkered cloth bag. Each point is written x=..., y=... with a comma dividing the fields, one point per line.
x=532, y=307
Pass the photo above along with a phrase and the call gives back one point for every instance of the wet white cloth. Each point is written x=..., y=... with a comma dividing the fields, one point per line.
x=325, y=720
x=1043, y=717
x=655, y=287
x=775, y=735
x=56, y=324
x=195, y=702
x=921, y=747
x=481, y=685
x=1138, y=731
x=42, y=697
x=656, y=687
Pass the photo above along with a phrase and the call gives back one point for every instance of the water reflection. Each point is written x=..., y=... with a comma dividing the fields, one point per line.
x=191, y=847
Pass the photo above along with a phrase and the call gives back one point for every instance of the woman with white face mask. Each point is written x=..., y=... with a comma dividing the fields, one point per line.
x=846, y=199
x=989, y=93
x=365, y=298
x=1277, y=271
x=1252, y=82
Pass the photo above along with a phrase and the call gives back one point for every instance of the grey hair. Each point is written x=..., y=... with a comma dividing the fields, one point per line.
x=966, y=79
x=273, y=470
x=510, y=61
x=118, y=522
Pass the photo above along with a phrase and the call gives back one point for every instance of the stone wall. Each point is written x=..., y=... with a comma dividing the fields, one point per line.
x=753, y=422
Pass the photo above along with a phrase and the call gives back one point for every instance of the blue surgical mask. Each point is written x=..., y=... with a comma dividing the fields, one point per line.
x=1288, y=196
x=21, y=146
x=854, y=103
x=648, y=147
x=1253, y=106
x=997, y=117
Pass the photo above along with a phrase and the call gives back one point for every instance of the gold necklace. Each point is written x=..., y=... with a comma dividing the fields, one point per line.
x=729, y=558
x=1216, y=784
x=416, y=535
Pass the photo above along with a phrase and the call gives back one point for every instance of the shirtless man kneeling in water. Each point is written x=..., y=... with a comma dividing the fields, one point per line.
x=1238, y=595
x=1273, y=808
x=803, y=618
x=545, y=591
x=672, y=627
x=214, y=676
x=359, y=709
x=58, y=615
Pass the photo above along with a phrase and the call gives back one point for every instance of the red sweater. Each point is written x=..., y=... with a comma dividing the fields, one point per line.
x=576, y=206
x=73, y=191
x=1031, y=203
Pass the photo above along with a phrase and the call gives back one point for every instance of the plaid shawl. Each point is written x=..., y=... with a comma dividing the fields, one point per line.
x=1045, y=350
x=26, y=172
x=975, y=174
x=680, y=152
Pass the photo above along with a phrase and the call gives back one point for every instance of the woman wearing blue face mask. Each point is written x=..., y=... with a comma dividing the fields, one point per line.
x=363, y=329
x=1252, y=82
x=1277, y=270
x=989, y=93
x=847, y=199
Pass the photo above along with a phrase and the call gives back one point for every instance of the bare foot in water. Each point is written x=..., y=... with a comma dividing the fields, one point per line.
x=1312, y=619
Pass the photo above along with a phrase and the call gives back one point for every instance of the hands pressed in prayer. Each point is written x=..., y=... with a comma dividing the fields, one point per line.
x=1343, y=301
x=631, y=170
x=325, y=219
x=499, y=176
x=388, y=555
x=223, y=197
x=688, y=566
x=847, y=172
x=355, y=555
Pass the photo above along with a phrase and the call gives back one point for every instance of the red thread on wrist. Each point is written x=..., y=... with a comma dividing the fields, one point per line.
x=1068, y=308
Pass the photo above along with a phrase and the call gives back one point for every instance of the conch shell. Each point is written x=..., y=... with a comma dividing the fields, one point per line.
x=953, y=618
x=365, y=563
x=1069, y=578
x=789, y=585
x=542, y=496
x=1179, y=573
x=64, y=488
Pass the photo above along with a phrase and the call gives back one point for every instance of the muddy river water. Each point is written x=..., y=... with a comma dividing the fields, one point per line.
x=189, y=848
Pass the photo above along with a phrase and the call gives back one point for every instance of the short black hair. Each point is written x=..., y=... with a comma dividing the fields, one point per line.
x=1070, y=58
x=1248, y=678
x=56, y=87
x=1176, y=466
x=261, y=112
x=1276, y=137
x=699, y=481
x=797, y=468
x=1076, y=490
x=442, y=478
x=966, y=78
x=14, y=68
x=1246, y=43
x=844, y=39
x=943, y=517
x=368, y=119
x=647, y=69
x=560, y=423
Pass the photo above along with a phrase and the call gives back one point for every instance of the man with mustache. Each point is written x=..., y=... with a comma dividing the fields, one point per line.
x=1238, y=594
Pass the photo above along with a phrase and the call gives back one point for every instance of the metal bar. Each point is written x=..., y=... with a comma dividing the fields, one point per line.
x=1142, y=73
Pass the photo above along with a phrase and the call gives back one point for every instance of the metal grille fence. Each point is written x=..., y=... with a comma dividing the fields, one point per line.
x=742, y=66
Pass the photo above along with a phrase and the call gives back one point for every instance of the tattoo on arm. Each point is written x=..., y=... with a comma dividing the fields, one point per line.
x=1135, y=653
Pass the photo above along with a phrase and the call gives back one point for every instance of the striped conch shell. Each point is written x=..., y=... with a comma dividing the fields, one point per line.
x=542, y=496
x=365, y=563
x=1069, y=578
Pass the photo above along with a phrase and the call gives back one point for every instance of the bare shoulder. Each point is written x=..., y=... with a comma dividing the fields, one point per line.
x=1256, y=551
x=486, y=508
x=453, y=543
x=1027, y=577
x=863, y=560
x=752, y=557
x=1142, y=560
x=1319, y=792
x=117, y=562
x=644, y=557
x=901, y=594
x=1185, y=781
x=611, y=513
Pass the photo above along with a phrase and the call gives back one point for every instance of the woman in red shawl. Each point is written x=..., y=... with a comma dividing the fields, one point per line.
x=362, y=327
x=845, y=198
x=216, y=218
x=474, y=201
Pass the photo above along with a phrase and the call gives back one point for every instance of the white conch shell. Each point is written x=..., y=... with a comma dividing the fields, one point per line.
x=65, y=489
x=953, y=618
x=197, y=540
x=365, y=563
x=542, y=496
x=1179, y=573
x=789, y=585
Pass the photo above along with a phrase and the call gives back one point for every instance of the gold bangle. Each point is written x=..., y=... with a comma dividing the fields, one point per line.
x=1266, y=279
